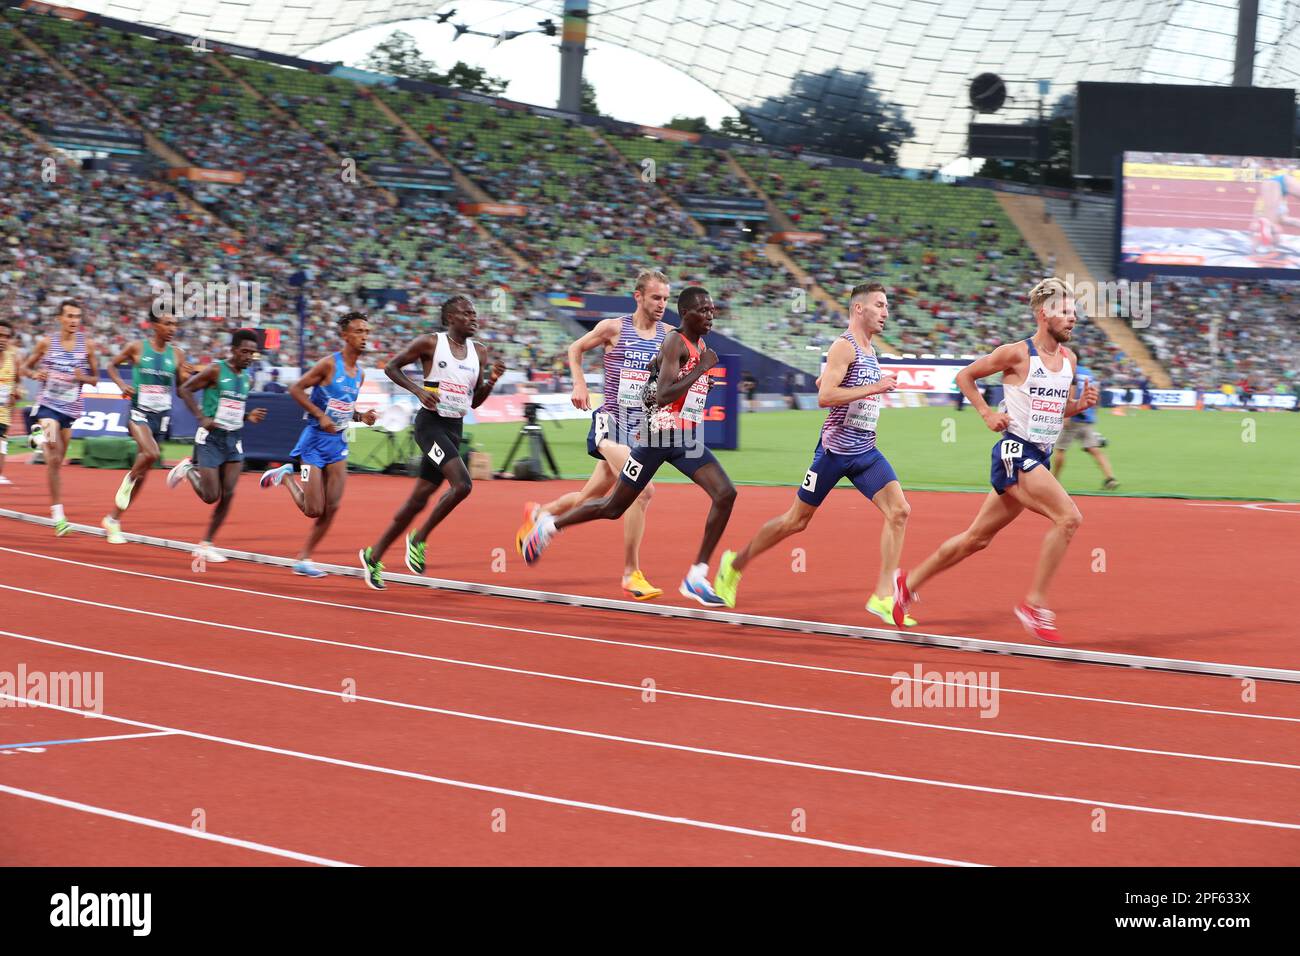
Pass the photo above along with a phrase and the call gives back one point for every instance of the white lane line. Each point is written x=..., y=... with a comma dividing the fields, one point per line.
x=521, y=794
x=78, y=740
x=638, y=646
x=170, y=827
x=658, y=744
x=638, y=688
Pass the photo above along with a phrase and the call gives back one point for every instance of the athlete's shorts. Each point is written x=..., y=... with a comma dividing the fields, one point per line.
x=212, y=449
x=44, y=413
x=4, y=429
x=616, y=429
x=1082, y=432
x=869, y=472
x=320, y=448
x=685, y=451
x=156, y=422
x=1011, y=456
x=439, y=441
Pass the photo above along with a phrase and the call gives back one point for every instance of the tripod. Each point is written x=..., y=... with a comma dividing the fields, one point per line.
x=537, y=447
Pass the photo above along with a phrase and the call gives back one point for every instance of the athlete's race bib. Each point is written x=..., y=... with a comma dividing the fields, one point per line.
x=453, y=399
x=1045, y=420
x=62, y=387
x=864, y=413
x=230, y=414
x=631, y=386
x=340, y=412
x=201, y=436
x=155, y=398
x=693, y=407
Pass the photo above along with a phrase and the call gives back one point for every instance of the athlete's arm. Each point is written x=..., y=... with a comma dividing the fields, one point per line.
x=92, y=362
x=604, y=334
x=128, y=354
x=203, y=378
x=183, y=368
x=32, y=367
x=1088, y=397
x=318, y=374
x=1004, y=358
x=417, y=349
x=670, y=357
x=831, y=392
x=485, y=384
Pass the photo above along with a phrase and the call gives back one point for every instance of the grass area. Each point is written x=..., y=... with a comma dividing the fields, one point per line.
x=1205, y=454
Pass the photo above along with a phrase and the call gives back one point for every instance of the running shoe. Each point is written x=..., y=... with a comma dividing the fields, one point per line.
x=1110, y=484
x=903, y=598
x=539, y=535
x=532, y=511
x=5, y=481
x=308, y=570
x=273, y=476
x=114, y=529
x=177, y=474
x=415, y=554
x=36, y=436
x=211, y=555
x=61, y=526
x=123, y=498
x=636, y=585
x=700, y=591
x=883, y=608
x=1039, y=622
x=728, y=579
x=374, y=570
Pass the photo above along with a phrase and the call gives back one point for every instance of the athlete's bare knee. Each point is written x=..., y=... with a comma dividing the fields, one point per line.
x=1069, y=523
x=612, y=508
x=796, y=522
x=460, y=490
x=148, y=459
x=898, y=514
x=977, y=541
x=312, y=511
x=647, y=495
x=725, y=497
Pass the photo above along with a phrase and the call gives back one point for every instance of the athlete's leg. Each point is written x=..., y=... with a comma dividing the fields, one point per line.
x=1102, y=462
x=774, y=531
x=424, y=488
x=206, y=483
x=307, y=489
x=634, y=518
x=722, y=493
x=228, y=482
x=597, y=486
x=459, y=487
x=1038, y=491
x=333, y=477
x=612, y=506
x=146, y=457
x=56, y=446
x=996, y=513
x=893, y=505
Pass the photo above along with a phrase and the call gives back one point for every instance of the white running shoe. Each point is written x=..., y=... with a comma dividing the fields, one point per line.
x=114, y=529
x=177, y=474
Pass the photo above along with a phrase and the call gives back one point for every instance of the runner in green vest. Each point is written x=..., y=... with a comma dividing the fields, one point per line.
x=213, y=470
x=158, y=365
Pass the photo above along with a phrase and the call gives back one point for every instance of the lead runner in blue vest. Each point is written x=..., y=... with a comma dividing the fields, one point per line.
x=328, y=394
x=1038, y=380
x=453, y=383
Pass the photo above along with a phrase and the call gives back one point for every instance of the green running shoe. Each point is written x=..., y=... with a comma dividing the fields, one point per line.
x=728, y=579
x=61, y=527
x=415, y=555
x=123, y=499
x=114, y=529
x=374, y=570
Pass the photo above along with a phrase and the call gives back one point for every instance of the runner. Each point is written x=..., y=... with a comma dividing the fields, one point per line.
x=322, y=448
x=158, y=367
x=1037, y=378
x=631, y=344
x=213, y=471
x=1080, y=428
x=64, y=362
x=851, y=386
x=453, y=384
x=675, y=403
x=10, y=389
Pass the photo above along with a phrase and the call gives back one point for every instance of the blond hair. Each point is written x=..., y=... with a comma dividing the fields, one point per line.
x=646, y=276
x=1050, y=288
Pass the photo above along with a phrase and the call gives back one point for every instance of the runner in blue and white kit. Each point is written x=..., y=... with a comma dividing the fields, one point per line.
x=1038, y=381
x=64, y=361
x=322, y=449
x=850, y=387
x=631, y=344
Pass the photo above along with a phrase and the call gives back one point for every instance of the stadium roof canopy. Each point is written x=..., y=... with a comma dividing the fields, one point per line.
x=920, y=54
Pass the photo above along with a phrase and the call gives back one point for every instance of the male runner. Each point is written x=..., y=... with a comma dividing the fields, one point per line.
x=1080, y=428
x=1037, y=379
x=213, y=471
x=322, y=448
x=850, y=386
x=631, y=344
x=453, y=384
x=10, y=389
x=675, y=396
x=64, y=362
x=158, y=366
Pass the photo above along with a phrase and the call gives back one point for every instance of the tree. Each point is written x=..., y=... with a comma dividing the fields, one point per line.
x=400, y=56
x=587, y=104
x=689, y=124
x=835, y=112
x=739, y=127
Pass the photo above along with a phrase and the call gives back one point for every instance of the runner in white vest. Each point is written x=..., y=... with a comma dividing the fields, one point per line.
x=1038, y=382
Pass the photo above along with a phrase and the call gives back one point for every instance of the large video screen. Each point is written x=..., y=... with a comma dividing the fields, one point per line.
x=1197, y=214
